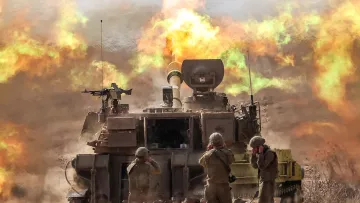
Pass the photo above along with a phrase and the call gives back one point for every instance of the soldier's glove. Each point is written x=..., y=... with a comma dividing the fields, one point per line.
x=149, y=159
x=254, y=151
x=261, y=149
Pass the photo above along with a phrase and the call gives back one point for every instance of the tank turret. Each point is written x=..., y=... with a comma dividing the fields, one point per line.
x=94, y=120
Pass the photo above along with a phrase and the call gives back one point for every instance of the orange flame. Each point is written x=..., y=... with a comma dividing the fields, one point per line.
x=11, y=150
x=333, y=50
x=22, y=53
x=285, y=60
x=1, y=6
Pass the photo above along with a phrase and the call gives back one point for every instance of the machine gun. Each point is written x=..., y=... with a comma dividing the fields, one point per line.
x=109, y=92
x=113, y=93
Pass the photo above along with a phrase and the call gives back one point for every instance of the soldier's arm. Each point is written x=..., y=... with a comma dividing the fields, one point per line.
x=130, y=167
x=253, y=160
x=155, y=167
x=231, y=157
x=265, y=159
x=204, y=159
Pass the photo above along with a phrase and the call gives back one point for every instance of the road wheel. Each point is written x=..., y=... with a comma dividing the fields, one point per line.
x=298, y=196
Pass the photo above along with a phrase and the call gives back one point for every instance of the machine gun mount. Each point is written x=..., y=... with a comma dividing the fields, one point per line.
x=114, y=94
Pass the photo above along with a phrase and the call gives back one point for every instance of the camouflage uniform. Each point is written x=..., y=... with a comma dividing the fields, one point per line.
x=217, y=189
x=139, y=172
x=267, y=164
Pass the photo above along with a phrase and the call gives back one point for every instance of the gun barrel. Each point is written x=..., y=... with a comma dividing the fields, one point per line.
x=105, y=91
x=95, y=92
x=127, y=92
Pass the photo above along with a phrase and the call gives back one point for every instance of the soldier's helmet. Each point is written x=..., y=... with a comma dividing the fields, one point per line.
x=216, y=139
x=142, y=152
x=256, y=141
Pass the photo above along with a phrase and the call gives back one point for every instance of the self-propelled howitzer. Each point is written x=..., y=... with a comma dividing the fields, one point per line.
x=177, y=133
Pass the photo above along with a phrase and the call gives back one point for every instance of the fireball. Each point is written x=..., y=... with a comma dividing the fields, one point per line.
x=21, y=52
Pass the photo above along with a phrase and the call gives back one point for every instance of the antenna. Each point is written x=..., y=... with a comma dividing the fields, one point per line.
x=101, y=52
x=104, y=102
x=251, y=92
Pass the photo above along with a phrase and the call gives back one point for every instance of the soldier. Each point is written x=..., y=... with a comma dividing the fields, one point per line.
x=216, y=162
x=265, y=160
x=139, y=172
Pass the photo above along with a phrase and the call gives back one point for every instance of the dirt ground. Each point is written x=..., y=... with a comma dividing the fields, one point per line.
x=277, y=200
